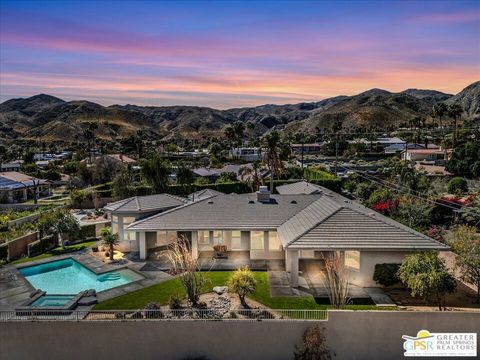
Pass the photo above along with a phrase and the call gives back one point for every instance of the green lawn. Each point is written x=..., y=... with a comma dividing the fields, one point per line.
x=56, y=251
x=161, y=293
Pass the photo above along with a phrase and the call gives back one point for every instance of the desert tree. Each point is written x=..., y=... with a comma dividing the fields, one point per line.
x=336, y=280
x=242, y=282
x=184, y=264
x=109, y=239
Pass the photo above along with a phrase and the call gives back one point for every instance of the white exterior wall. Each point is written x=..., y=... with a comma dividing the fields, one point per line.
x=368, y=260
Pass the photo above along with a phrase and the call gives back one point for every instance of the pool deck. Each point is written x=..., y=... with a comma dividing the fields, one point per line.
x=15, y=290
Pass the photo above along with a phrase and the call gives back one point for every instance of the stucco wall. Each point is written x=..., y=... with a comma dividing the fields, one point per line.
x=368, y=260
x=350, y=335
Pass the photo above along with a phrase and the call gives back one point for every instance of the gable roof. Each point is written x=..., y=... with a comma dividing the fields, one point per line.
x=301, y=187
x=233, y=211
x=203, y=194
x=139, y=204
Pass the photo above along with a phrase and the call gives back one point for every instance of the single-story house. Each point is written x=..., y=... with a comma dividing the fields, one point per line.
x=397, y=148
x=210, y=174
x=17, y=187
x=15, y=165
x=310, y=148
x=436, y=156
x=124, y=212
x=285, y=227
x=117, y=158
x=246, y=153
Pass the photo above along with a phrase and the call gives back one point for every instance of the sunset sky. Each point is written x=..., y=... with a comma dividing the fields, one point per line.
x=233, y=54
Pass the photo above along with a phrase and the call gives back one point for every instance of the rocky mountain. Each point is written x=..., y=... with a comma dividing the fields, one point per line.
x=469, y=100
x=49, y=118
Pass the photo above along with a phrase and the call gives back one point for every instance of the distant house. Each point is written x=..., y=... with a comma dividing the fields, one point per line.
x=210, y=174
x=246, y=153
x=11, y=166
x=17, y=187
x=398, y=148
x=435, y=156
x=118, y=158
x=311, y=148
x=285, y=230
x=301, y=187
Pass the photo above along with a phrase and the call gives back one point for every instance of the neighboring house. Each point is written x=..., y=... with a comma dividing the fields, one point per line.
x=246, y=153
x=289, y=228
x=118, y=158
x=397, y=148
x=312, y=148
x=127, y=211
x=210, y=174
x=234, y=168
x=17, y=187
x=436, y=156
x=11, y=166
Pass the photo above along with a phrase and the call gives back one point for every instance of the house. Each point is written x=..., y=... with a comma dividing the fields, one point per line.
x=246, y=153
x=436, y=156
x=124, y=212
x=301, y=187
x=312, y=148
x=397, y=148
x=203, y=194
x=210, y=174
x=285, y=228
x=15, y=165
x=17, y=187
x=236, y=169
x=117, y=158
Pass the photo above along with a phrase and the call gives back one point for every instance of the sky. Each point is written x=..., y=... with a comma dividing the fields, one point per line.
x=226, y=54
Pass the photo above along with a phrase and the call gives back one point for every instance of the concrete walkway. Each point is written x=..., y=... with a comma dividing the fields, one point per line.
x=379, y=297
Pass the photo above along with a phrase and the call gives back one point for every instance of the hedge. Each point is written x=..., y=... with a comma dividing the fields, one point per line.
x=386, y=274
x=3, y=252
x=42, y=245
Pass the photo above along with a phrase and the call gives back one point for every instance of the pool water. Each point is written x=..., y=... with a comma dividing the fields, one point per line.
x=68, y=276
x=53, y=300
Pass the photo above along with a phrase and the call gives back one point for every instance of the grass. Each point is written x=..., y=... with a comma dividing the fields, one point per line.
x=161, y=293
x=57, y=251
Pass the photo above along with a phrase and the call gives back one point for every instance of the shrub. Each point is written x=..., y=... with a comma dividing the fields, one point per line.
x=175, y=302
x=152, y=311
x=313, y=346
x=242, y=282
x=386, y=274
x=40, y=246
x=457, y=185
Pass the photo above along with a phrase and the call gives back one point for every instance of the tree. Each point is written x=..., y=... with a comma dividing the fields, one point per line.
x=439, y=111
x=87, y=135
x=313, y=346
x=413, y=213
x=227, y=177
x=465, y=160
x=215, y=150
x=186, y=266
x=336, y=280
x=28, y=157
x=242, y=282
x=426, y=275
x=184, y=177
x=454, y=111
x=245, y=174
x=457, y=185
x=271, y=141
x=155, y=171
x=230, y=134
x=109, y=239
x=466, y=245
x=122, y=184
x=57, y=222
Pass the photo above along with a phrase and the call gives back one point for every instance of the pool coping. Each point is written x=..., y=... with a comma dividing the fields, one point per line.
x=83, y=263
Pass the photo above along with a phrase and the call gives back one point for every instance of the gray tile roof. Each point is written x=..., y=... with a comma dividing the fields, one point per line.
x=318, y=221
x=203, y=194
x=301, y=187
x=13, y=180
x=231, y=211
x=139, y=204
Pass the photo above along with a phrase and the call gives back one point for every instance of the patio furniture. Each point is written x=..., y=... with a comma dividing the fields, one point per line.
x=220, y=252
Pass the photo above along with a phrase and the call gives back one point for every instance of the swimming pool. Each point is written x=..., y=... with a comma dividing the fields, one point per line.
x=52, y=300
x=67, y=276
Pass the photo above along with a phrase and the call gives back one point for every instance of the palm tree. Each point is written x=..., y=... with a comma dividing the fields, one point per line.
x=87, y=134
x=272, y=159
x=256, y=176
x=230, y=134
x=109, y=239
x=439, y=111
x=455, y=111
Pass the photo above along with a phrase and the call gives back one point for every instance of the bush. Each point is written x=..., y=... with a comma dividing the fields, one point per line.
x=152, y=311
x=386, y=274
x=175, y=302
x=457, y=185
x=242, y=282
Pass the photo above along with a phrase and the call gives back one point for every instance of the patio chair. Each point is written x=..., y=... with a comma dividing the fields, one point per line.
x=220, y=252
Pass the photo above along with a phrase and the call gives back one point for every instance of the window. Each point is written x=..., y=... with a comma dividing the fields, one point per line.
x=236, y=240
x=130, y=235
x=217, y=237
x=256, y=240
x=203, y=237
x=127, y=220
x=352, y=259
x=273, y=241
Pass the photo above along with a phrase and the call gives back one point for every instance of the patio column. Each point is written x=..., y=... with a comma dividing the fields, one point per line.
x=120, y=227
x=292, y=258
x=142, y=245
x=195, y=244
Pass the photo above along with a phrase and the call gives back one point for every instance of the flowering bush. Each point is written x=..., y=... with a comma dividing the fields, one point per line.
x=386, y=206
x=437, y=232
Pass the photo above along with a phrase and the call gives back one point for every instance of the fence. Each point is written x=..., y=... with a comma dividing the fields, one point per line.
x=42, y=314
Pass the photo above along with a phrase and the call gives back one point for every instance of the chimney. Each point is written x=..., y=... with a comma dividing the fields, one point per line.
x=263, y=195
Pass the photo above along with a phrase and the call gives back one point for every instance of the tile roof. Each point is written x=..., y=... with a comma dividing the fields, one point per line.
x=203, y=194
x=301, y=187
x=139, y=204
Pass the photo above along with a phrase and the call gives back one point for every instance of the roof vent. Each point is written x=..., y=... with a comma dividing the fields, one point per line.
x=251, y=202
x=293, y=202
x=210, y=201
x=263, y=195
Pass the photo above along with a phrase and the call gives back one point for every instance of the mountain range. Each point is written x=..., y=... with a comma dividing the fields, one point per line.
x=52, y=119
